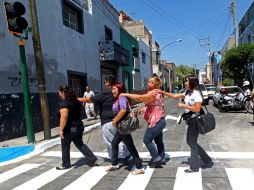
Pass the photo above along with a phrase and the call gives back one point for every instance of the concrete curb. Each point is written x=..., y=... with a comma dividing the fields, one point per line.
x=41, y=147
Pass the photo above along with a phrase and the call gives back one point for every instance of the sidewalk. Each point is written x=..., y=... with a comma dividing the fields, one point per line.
x=18, y=149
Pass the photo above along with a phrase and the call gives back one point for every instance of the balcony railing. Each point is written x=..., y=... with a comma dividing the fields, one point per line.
x=110, y=51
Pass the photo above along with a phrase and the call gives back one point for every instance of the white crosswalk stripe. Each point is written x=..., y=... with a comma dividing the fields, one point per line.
x=16, y=171
x=89, y=179
x=42, y=179
x=239, y=178
x=186, y=180
x=131, y=181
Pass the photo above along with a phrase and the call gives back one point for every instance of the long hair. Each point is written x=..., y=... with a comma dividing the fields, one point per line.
x=193, y=84
x=156, y=80
x=68, y=94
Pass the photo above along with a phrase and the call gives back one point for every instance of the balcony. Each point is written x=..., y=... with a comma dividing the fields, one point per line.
x=110, y=51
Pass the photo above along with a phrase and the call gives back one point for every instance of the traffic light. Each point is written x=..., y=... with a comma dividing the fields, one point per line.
x=15, y=23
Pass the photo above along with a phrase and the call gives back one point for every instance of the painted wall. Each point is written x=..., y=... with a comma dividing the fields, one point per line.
x=63, y=49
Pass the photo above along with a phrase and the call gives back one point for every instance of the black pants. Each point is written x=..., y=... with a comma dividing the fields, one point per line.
x=196, y=149
x=128, y=141
x=76, y=138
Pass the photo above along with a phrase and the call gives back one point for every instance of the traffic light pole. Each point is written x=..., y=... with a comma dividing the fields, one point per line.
x=26, y=93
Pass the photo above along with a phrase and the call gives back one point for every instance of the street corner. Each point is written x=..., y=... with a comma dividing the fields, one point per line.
x=11, y=153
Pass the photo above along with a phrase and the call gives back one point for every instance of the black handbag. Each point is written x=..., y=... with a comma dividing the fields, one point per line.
x=128, y=124
x=205, y=122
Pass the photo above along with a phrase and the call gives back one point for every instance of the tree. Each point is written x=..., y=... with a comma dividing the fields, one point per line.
x=236, y=63
x=183, y=71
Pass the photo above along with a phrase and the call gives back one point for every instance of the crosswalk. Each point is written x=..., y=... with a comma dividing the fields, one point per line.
x=239, y=178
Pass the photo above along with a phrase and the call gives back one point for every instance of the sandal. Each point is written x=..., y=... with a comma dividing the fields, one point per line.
x=137, y=171
x=112, y=168
x=61, y=168
x=190, y=170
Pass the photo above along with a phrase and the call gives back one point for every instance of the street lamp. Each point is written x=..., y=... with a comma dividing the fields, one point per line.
x=169, y=73
x=179, y=40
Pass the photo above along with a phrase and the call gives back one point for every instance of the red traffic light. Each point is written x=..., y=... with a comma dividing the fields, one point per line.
x=16, y=24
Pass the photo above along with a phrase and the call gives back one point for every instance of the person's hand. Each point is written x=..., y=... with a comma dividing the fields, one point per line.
x=122, y=94
x=61, y=134
x=114, y=123
x=180, y=105
x=141, y=110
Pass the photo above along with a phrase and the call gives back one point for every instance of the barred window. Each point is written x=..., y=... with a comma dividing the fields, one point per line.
x=72, y=17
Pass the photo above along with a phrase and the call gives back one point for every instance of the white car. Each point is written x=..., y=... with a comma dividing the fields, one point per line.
x=204, y=93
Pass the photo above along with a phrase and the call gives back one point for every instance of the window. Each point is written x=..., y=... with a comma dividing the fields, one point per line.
x=72, y=17
x=143, y=57
x=108, y=34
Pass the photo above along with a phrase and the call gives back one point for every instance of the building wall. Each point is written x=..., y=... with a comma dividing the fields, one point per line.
x=64, y=51
x=145, y=67
x=129, y=42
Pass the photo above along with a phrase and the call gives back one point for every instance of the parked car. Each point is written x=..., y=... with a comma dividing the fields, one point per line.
x=204, y=93
x=221, y=91
x=211, y=90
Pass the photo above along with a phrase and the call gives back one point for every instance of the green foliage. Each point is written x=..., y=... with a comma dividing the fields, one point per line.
x=183, y=71
x=227, y=82
x=236, y=61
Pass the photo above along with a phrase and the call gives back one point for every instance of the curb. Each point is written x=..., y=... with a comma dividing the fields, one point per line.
x=41, y=147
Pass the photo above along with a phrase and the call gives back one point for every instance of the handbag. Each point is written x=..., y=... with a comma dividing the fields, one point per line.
x=128, y=123
x=205, y=122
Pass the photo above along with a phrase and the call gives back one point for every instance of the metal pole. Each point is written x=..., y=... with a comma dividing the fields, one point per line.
x=40, y=70
x=26, y=93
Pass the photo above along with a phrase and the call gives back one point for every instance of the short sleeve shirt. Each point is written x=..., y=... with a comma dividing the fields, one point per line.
x=120, y=104
x=191, y=99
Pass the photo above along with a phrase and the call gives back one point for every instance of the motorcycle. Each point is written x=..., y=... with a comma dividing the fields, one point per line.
x=237, y=101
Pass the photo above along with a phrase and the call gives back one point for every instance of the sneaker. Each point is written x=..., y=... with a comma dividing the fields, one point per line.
x=62, y=168
x=191, y=170
x=112, y=168
x=137, y=171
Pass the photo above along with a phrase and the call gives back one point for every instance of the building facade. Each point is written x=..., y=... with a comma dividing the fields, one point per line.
x=71, y=33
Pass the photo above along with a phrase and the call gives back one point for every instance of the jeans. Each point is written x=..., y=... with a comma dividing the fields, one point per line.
x=76, y=138
x=156, y=134
x=196, y=149
x=108, y=132
x=128, y=141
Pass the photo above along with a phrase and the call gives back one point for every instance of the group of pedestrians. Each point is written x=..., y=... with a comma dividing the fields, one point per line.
x=113, y=105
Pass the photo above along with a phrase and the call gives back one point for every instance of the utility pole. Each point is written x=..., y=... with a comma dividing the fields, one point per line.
x=233, y=12
x=207, y=43
x=40, y=69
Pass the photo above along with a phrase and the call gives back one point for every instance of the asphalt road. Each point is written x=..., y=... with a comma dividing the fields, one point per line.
x=231, y=146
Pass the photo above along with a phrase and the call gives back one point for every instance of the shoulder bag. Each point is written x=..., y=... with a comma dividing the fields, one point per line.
x=128, y=123
x=205, y=122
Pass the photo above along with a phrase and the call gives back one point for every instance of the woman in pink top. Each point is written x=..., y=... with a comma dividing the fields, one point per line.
x=154, y=115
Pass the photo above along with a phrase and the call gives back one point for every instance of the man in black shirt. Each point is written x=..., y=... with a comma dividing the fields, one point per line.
x=103, y=101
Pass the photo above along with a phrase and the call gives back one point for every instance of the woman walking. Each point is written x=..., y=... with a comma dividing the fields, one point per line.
x=121, y=107
x=71, y=128
x=154, y=115
x=192, y=105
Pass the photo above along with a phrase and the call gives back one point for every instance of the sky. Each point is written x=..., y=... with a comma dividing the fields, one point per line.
x=189, y=20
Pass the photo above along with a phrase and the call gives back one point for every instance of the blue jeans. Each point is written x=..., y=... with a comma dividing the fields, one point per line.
x=196, y=149
x=156, y=134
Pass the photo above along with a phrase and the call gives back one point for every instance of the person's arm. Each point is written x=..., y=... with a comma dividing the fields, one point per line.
x=195, y=108
x=63, y=120
x=140, y=98
x=170, y=95
x=87, y=100
x=118, y=117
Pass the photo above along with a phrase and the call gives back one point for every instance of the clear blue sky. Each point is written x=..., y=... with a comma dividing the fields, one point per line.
x=189, y=20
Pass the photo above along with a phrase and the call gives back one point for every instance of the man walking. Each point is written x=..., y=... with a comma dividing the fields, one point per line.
x=89, y=107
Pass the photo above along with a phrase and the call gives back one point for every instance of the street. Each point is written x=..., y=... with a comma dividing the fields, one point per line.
x=230, y=145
